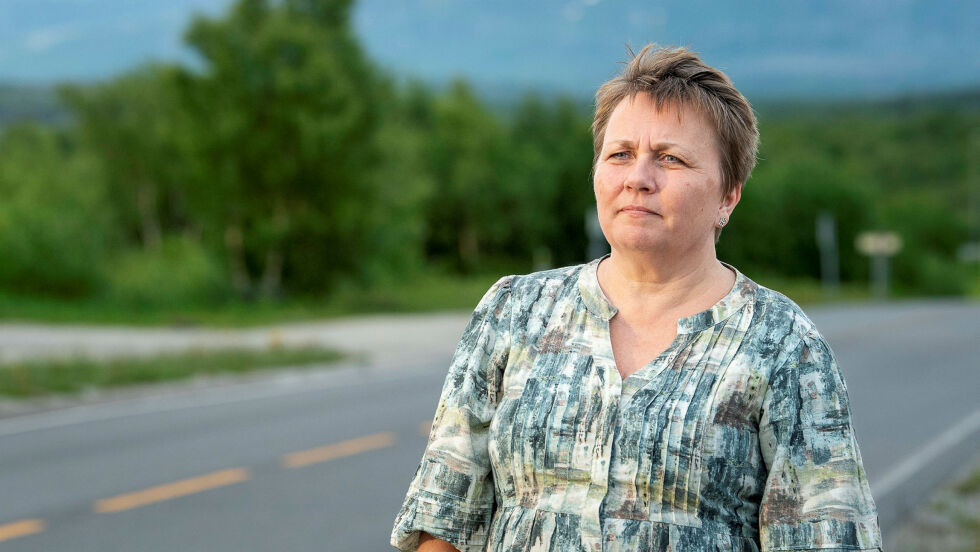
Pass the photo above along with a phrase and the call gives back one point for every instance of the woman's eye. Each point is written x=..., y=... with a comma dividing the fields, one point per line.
x=620, y=155
x=670, y=158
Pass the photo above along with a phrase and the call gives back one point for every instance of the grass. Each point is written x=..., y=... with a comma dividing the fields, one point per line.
x=973, y=290
x=806, y=291
x=425, y=293
x=418, y=294
x=949, y=521
x=421, y=293
x=39, y=377
x=970, y=485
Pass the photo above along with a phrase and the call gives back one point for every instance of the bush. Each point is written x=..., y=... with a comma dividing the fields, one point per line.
x=931, y=234
x=180, y=272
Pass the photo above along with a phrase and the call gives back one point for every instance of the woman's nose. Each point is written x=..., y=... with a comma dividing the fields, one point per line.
x=642, y=176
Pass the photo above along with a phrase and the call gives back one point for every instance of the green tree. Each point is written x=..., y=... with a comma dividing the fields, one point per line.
x=284, y=120
x=551, y=161
x=55, y=224
x=404, y=182
x=132, y=123
x=467, y=211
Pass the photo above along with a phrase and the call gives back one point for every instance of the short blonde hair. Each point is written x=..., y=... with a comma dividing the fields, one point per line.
x=677, y=77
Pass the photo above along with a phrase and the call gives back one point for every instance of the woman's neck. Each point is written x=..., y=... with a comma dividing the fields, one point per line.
x=643, y=283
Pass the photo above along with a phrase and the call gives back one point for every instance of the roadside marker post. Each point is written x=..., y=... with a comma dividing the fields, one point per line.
x=879, y=246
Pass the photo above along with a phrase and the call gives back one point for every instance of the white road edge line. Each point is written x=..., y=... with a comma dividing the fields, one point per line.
x=195, y=398
x=926, y=454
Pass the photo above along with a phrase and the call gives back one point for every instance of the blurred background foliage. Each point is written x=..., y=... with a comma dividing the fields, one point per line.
x=289, y=167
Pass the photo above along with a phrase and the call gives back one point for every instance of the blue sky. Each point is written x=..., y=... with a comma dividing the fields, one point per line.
x=794, y=48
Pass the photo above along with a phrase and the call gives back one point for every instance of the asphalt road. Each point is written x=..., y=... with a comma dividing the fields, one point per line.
x=321, y=460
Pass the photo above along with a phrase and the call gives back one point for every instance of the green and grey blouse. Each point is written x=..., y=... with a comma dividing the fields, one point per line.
x=738, y=437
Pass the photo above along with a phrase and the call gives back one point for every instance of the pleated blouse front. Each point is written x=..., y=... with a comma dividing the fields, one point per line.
x=738, y=437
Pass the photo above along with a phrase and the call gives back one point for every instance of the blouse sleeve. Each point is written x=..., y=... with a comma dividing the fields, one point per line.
x=816, y=495
x=451, y=496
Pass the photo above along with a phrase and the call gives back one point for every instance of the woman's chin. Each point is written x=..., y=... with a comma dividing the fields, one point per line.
x=639, y=243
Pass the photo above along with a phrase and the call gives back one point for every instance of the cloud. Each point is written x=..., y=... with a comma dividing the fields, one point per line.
x=574, y=10
x=436, y=4
x=43, y=39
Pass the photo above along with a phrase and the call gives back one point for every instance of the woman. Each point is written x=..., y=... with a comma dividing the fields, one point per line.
x=657, y=398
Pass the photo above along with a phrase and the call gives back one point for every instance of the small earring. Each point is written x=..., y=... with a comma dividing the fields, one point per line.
x=723, y=221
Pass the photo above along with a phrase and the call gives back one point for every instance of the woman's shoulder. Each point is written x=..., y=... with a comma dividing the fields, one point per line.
x=776, y=311
x=535, y=285
x=780, y=329
x=538, y=292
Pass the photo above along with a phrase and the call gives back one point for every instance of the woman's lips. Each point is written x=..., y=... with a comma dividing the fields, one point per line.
x=637, y=210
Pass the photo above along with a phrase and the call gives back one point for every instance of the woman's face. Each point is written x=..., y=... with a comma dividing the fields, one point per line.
x=658, y=180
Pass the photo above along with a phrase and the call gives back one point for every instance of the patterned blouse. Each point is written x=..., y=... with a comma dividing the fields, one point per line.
x=738, y=437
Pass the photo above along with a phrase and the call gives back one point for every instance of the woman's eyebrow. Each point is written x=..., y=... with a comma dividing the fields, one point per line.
x=667, y=145
x=661, y=146
x=628, y=144
x=658, y=146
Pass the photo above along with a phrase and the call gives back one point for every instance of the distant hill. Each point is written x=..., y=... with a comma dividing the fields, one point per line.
x=41, y=104
x=958, y=100
x=32, y=103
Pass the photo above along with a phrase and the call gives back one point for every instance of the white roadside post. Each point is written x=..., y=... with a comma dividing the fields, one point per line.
x=879, y=246
x=827, y=244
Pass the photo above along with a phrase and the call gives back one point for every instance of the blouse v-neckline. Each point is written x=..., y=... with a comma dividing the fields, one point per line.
x=599, y=305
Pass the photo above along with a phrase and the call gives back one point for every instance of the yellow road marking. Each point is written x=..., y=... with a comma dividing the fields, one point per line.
x=171, y=490
x=20, y=529
x=339, y=450
x=425, y=428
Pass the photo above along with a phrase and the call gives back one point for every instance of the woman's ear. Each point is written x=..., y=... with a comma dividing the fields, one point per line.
x=730, y=200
